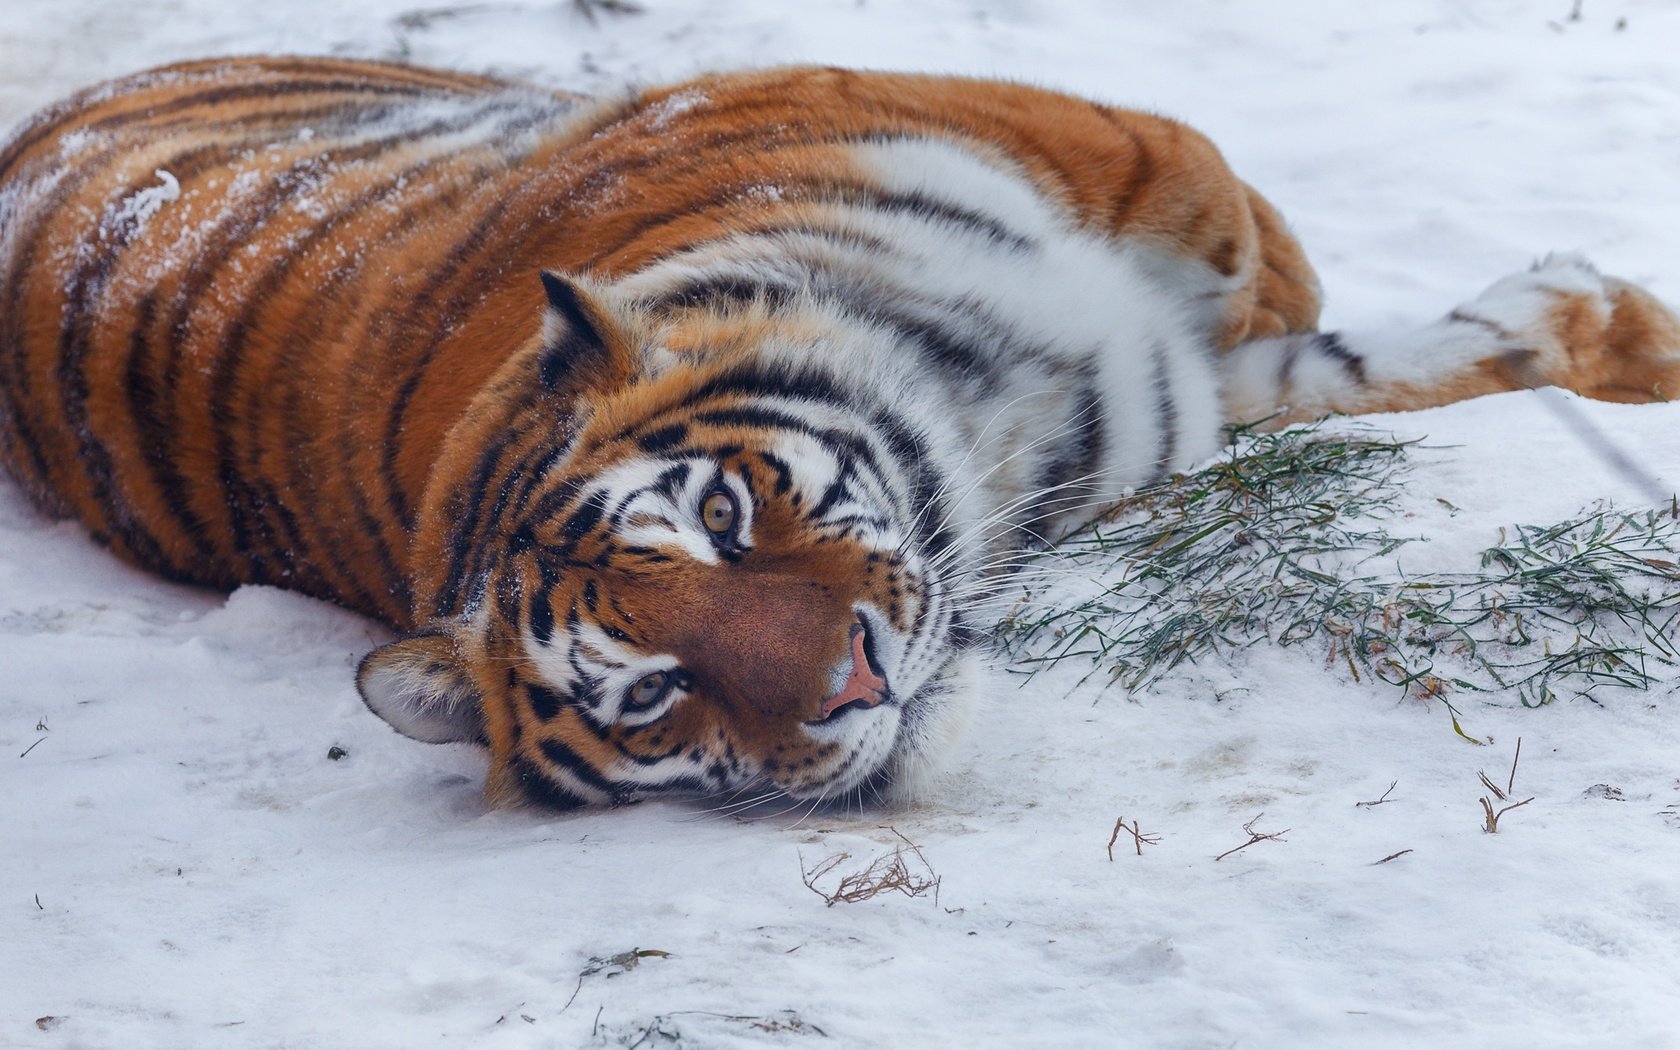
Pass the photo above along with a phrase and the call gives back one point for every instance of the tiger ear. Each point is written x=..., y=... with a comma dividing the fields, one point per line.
x=583, y=343
x=420, y=687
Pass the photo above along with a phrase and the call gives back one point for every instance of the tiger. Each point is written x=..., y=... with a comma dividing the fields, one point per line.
x=676, y=435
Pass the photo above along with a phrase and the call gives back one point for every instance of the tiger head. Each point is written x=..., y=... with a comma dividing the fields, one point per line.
x=694, y=555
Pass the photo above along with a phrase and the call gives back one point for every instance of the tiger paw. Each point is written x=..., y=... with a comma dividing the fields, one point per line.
x=1563, y=323
x=1642, y=347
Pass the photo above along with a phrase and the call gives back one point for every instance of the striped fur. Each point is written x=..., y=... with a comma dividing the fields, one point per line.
x=280, y=321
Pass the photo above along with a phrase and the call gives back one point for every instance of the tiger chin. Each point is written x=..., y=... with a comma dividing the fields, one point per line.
x=682, y=435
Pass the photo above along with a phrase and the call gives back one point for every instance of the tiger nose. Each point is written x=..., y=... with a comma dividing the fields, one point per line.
x=864, y=686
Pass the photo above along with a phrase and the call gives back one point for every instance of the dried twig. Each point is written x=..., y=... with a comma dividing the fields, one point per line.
x=1491, y=786
x=1255, y=836
x=1139, y=839
x=887, y=872
x=1393, y=856
x=1379, y=801
x=1510, y=782
x=625, y=961
x=1491, y=826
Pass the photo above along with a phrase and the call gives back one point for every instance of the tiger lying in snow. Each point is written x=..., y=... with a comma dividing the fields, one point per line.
x=702, y=507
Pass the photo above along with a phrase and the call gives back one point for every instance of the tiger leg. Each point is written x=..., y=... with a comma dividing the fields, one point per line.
x=1561, y=323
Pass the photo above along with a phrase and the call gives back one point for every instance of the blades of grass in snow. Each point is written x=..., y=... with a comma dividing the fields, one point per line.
x=1272, y=543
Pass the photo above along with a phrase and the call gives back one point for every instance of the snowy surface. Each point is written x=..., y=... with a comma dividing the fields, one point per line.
x=181, y=865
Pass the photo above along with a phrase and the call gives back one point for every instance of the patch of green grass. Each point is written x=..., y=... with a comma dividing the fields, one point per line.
x=1277, y=542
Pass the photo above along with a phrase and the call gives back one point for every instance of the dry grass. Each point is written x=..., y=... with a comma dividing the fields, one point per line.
x=903, y=869
x=1135, y=830
x=1490, y=817
x=1255, y=836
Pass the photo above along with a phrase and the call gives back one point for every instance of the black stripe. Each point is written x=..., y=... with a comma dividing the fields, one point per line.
x=83, y=289
x=415, y=312
x=1076, y=459
x=1331, y=345
x=1286, y=367
x=836, y=489
x=823, y=188
x=729, y=289
x=540, y=616
x=772, y=227
x=198, y=280
x=923, y=206
x=552, y=502
x=203, y=279
x=665, y=438
x=138, y=387
x=15, y=357
x=77, y=106
x=806, y=385
x=359, y=497
x=1460, y=316
x=540, y=790
x=245, y=495
x=1166, y=409
x=672, y=479
x=536, y=472
x=945, y=348
x=687, y=783
x=465, y=505
x=485, y=552
x=342, y=585
x=839, y=443
x=784, y=473
x=545, y=702
x=573, y=763
x=274, y=515
x=1140, y=175
x=586, y=517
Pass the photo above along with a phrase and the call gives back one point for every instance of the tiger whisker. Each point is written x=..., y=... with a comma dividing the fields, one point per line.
x=951, y=476
x=736, y=808
x=1001, y=518
x=1072, y=426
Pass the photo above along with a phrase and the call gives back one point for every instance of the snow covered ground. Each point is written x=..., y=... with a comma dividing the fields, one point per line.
x=183, y=865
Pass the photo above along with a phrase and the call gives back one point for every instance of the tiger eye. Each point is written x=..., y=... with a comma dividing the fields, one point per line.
x=649, y=690
x=718, y=512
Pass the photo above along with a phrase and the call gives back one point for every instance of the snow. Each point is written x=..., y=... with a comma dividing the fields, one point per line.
x=184, y=865
x=138, y=208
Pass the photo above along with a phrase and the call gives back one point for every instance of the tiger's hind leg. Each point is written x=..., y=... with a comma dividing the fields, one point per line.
x=1561, y=323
